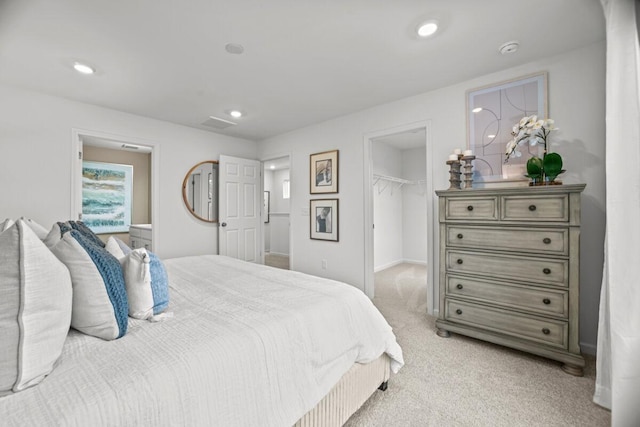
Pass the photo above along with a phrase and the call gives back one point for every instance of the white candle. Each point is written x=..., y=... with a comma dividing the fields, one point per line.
x=457, y=151
x=468, y=153
x=453, y=157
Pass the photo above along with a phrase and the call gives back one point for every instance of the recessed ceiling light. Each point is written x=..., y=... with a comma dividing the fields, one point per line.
x=235, y=114
x=476, y=110
x=491, y=136
x=427, y=28
x=83, y=68
x=509, y=47
x=273, y=166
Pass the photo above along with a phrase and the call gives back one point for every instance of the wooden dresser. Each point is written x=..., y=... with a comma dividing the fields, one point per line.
x=509, y=268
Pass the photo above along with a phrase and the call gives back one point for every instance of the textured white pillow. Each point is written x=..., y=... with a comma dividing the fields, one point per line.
x=5, y=224
x=147, y=283
x=99, y=296
x=40, y=231
x=115, y=248
x=35, y=308
x=55, y=234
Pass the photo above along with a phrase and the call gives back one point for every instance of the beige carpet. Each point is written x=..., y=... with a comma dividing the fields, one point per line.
x=460, y=381
x=275, y=260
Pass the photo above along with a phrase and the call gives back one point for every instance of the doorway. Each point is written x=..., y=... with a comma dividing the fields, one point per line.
x=277, y=210
x=101, y=148
x=399, y=203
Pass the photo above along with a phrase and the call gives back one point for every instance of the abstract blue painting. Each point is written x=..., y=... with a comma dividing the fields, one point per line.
x=106, y=196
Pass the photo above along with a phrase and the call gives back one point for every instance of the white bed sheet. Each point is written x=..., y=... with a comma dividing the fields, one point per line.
x=248, y=345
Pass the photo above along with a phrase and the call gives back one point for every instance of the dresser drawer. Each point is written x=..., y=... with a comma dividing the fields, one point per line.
x=547, y=331
x=522, y=268
x=540, y=240
x=537, y=300
x=485, y=208
x=535, y=208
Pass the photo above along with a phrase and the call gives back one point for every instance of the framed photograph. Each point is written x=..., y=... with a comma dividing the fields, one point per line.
x=324, y=219
x=492, y=111
x=324, y=172
x=266, y=206
x=106, y=197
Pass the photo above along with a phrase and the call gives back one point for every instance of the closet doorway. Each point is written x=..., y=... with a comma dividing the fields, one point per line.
x=276, y=212
x=398, y=207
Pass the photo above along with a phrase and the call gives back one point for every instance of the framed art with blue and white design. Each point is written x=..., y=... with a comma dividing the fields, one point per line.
x=106, y=196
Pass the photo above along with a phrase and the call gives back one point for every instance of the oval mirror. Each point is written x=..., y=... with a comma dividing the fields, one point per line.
x=200, y=191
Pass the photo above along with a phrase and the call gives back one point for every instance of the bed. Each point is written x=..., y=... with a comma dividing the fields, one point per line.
x=240, y=344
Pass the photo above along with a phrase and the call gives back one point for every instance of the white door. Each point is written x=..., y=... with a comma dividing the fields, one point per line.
x=240, y=201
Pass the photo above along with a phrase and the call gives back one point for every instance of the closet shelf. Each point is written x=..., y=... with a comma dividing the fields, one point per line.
x=394, y=180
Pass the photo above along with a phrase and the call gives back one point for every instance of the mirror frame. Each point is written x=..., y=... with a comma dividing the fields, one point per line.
x=184, y=191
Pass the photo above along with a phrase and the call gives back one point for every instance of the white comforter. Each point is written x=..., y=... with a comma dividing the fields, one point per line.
x=248, y=346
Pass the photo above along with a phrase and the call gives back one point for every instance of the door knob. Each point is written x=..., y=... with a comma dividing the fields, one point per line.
x=224, y=224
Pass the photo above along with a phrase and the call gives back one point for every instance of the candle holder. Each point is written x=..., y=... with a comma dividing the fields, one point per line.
x=454, y=174
x=468, y=171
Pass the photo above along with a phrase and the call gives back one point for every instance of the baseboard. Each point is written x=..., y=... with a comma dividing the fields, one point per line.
x=414, y=261
x=276, y=253
x=588, y=348
x=388, y=265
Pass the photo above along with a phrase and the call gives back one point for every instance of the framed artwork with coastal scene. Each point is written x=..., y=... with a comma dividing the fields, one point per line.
x=106, y=196
x=324, y=172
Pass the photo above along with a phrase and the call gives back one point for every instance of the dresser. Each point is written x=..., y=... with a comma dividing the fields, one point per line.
x=140, y=236
x=509, y=268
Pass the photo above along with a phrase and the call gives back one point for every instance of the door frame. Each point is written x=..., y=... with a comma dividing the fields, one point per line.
x=369, y=287
x=77, y=146
x=263, y=160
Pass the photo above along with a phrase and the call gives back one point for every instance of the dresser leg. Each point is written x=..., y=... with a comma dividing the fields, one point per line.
x=573, y=370
x=442, y=333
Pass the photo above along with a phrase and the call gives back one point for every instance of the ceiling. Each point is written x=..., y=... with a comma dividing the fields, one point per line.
x=304, y=61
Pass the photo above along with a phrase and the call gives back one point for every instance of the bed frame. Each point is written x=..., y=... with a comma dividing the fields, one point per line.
x=348, y=395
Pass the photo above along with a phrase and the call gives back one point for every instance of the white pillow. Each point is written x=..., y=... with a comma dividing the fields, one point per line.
x=40, y=231
x=99, y=296
x=114, y=247
x=55, y=234
x=4, y=225
x=147, y=284
x=35, y=308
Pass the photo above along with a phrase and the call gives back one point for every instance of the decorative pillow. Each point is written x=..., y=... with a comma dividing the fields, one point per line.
x=54, y=236
x=147, y=283
x=40, y=231
x=4, y=225
x=35, y=308
x=99, y=295
x=117, y=247
x=87, y=232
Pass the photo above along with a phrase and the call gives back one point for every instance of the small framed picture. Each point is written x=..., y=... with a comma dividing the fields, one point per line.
x=324, y=172
x=324, y=219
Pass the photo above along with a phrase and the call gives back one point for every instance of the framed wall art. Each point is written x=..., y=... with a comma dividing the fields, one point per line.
x=492, y=111
x=324, y=172
x=324, y=219
x=106, y=197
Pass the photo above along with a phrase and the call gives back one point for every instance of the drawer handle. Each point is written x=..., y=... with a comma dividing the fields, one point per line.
x=546, y=240
x=460, y=236
x=459, y=286
x=532, y=208
x=469, y=208
x=546, y=271
x=546, y=331
x=458, y=311
x=546, y=301
x=459, y=261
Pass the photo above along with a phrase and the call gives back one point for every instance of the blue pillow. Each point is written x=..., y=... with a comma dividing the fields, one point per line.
x=87, y=232
x=100, y=303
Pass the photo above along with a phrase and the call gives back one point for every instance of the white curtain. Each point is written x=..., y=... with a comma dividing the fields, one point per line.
x=618, y=359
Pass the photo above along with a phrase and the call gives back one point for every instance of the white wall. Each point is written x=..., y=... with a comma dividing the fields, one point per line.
x=387, y=207
x=268, y=186
x=414, y=207
x=36, y=152
x=576, y=103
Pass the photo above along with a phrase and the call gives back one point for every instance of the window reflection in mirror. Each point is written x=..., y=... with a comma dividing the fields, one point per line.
x=200, y=191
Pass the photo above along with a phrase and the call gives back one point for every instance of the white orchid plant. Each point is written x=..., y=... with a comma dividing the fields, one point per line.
x=530, y=130
x=535, y=132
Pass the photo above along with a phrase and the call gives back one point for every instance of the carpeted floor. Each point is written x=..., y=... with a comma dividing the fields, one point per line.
x=275, y=260
x=460, y=381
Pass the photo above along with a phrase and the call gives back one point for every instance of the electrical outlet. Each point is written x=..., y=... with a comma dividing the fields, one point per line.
x=324, y=264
